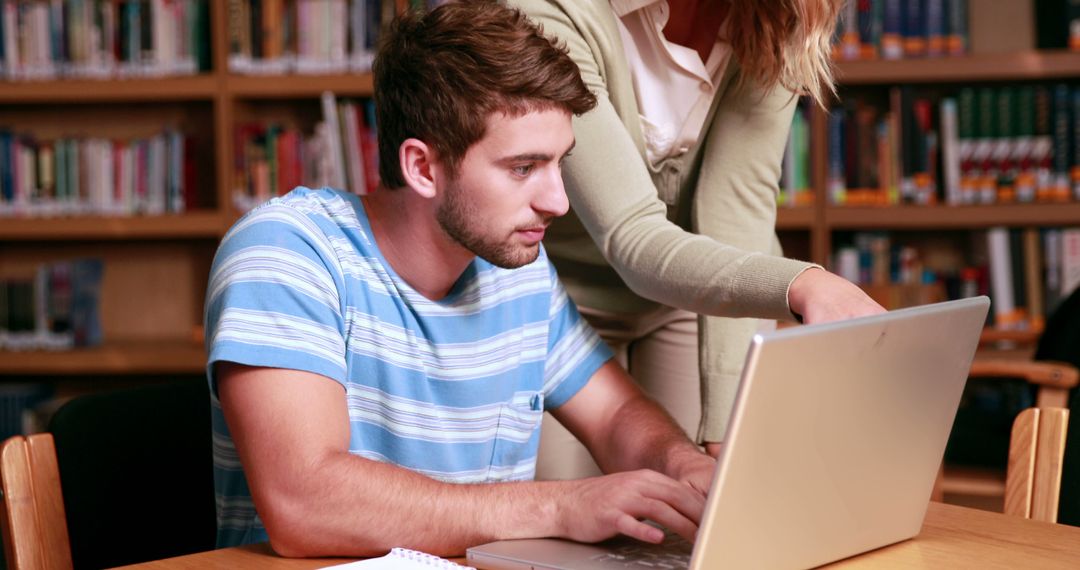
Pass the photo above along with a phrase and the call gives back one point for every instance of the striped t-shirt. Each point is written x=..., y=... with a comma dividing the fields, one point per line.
x=454, y=389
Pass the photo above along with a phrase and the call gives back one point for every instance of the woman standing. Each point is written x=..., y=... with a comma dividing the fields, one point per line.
x=673, y=187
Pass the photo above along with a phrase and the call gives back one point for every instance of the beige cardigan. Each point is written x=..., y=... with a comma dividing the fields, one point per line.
x=689, y=233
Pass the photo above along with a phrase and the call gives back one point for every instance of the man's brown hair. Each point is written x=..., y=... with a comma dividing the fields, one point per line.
x=439, y=75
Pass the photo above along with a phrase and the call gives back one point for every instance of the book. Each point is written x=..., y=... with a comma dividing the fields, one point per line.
x=1006, y=315
x=950, y=157
x=403, y=559
x=1070, y=261
x=333, y=141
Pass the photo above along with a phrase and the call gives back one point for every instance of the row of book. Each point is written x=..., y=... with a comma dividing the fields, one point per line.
x=305, y=36
x=96, y=176
x=101, y=39
x=55, y=309
x=1027, y=272
x=987, y=145
x=272, y=159
x=897, y=29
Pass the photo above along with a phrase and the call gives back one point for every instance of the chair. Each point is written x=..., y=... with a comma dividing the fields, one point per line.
x=1036, y=455
x=1053, y=378
x=136, y=474
x=32, y=511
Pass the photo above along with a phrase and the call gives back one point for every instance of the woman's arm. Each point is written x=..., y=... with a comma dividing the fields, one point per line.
x=612, y=193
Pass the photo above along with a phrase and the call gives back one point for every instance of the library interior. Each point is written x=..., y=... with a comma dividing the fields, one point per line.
x=135, y=133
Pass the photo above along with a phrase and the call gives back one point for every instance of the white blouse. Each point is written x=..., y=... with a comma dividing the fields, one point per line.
x=674, y=87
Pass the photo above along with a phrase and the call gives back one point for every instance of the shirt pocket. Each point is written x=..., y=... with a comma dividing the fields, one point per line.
x=517, y=438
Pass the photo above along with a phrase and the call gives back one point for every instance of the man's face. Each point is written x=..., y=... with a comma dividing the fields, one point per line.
x=509, y=187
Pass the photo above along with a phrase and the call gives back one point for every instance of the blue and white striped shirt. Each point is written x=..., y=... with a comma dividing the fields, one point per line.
x=454, y=389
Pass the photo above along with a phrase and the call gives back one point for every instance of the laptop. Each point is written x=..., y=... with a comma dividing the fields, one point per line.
x=832, y=448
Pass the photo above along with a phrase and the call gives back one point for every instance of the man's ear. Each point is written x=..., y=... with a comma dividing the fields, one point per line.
x=418, y=166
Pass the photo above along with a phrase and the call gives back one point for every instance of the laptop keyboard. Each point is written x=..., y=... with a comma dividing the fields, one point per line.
x=672, y=554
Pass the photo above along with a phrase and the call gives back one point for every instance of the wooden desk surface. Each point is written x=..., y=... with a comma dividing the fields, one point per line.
x=952, y=537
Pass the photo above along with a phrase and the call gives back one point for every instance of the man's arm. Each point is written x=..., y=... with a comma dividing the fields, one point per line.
x=291, y=429
x=626, y=430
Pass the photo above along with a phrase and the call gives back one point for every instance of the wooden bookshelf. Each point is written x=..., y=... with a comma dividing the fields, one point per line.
x=950, y=217
x=297, y=86
x=199, y=87
x=1022, y=66
x=203, y=224
x=118, y=357
x=796, y=218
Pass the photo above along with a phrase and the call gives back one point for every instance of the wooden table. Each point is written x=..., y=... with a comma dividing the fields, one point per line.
x=952, y=537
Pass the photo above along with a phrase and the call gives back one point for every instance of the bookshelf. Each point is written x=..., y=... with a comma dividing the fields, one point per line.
x=1020, y=66
x=811, y=229
x=156, y=266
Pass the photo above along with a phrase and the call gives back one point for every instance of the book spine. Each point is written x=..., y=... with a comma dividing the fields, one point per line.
x=333, y=140
x=1043, y=145
x=1061, y=154
x=1033, y=278
x=868, y=29
x=837, y=187
x=1001, y=282
x=982, y=155
x=950, y=154
x=914, y=28
x=892, y=34
x=957, y=17
x=934, y=19
x=1004, y=143
x=849, y=30
x=1075, y=141
x=1051, y=242
x=1070, y=261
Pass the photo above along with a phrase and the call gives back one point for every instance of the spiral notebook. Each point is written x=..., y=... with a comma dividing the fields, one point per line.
x=403, y=559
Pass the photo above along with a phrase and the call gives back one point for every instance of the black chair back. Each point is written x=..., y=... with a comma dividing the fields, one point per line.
x=137, y=473
x=1061, y=341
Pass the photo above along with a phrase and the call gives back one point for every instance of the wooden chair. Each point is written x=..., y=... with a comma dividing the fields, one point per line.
x=1036, y=454
x=33, y=524
x=1053, y=381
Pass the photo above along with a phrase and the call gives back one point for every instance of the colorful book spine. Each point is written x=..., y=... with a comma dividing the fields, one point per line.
x=1062, y=145
x=1024, y=158
x=935, y=22
x=835, y=179
x=892, y=33
x=914, y=28
x=956, y=15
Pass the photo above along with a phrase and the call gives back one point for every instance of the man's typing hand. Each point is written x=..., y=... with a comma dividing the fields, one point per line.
x=599, y=508
x=696, y=470
x=820, y=297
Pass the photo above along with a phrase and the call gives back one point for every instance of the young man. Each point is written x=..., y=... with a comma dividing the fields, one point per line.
x=380, y=366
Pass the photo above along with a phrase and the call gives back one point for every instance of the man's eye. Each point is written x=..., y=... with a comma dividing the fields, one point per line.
x=523, y=170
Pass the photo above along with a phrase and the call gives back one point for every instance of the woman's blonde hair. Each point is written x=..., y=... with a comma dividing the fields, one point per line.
x=785, y=42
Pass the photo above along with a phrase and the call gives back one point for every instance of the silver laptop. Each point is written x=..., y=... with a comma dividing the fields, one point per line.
x=832, y=450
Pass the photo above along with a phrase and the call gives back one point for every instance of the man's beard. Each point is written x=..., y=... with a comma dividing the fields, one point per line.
x=459, y=219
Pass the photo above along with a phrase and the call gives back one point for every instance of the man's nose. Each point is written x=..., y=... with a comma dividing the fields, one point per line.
x=552, y=200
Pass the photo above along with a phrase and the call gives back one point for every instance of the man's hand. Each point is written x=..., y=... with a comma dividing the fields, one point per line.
x=599, y=508
x=820, y=297
x=690, y=467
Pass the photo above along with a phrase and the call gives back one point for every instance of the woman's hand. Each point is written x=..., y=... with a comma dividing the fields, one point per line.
x=819, y=297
